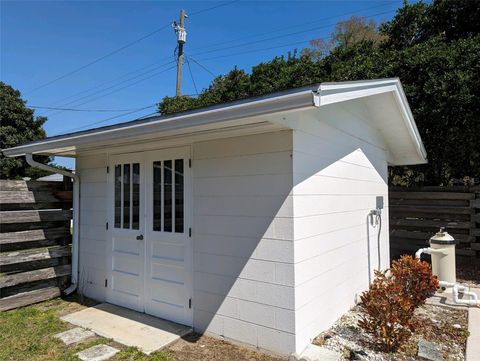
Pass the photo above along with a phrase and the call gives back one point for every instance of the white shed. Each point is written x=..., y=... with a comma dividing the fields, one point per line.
x=248, y=220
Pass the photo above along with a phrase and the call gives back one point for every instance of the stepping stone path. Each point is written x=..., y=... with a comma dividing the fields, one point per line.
x=97, y=353
x=74, y=335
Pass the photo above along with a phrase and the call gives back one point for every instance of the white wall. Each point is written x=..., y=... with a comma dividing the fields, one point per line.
x=339, y=167
x=243, y=240
x=93, y=216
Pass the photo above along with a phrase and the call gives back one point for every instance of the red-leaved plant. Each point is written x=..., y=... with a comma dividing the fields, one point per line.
x=390, y=302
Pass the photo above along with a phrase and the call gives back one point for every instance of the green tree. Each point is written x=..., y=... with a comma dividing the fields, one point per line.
x=346, y=34
x=18, y=125
x=433, y=48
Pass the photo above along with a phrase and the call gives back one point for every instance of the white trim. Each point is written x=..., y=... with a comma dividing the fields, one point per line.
x=242, y=113
x=330, y=93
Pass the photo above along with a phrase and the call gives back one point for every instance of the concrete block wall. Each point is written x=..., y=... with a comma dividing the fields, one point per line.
x=339, y=167
x=243, y=240
x=93, y=215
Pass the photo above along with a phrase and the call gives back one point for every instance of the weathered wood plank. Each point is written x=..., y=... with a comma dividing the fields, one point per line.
x=39, y=237
x=33, y=276
x=422, y=209
x=20, y=185
x=22, y=197
x=430, y=202
x=28, y=298
x=431, y=195
x=458, y=188
x=465, y=252
x=30, y=255
x=427, y=223
x=404, y=234
x=475, y=203
x=32, y=216
x=18, y=227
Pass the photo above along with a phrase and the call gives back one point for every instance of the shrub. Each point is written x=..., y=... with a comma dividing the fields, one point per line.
x=390, y=302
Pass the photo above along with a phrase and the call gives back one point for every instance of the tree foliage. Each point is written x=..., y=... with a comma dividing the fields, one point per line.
x=433, y=48
x=347, y=33
x=18, y=125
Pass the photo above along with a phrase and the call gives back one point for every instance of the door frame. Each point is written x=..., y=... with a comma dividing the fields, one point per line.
x=144, y=158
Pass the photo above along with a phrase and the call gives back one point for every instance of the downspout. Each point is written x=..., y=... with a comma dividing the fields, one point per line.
x=76, y=214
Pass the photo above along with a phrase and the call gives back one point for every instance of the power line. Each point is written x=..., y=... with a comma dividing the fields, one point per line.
x=80, y=110
x=191, y=75
x=113, y=52
x=111, y=118
x=214, y=7
x=282, y=36
x=58, y=102
x=99, y=59
x=200, y=65
x=290, y=27
x=214, y=50
x=116, y=90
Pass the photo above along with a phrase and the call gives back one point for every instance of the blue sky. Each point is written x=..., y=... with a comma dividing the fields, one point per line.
x=44, y=40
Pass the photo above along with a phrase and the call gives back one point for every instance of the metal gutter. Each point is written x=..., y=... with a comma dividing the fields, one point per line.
x=299, y=98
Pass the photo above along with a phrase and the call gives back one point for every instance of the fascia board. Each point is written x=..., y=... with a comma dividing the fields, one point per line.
x=244, y=110
x=330, y=93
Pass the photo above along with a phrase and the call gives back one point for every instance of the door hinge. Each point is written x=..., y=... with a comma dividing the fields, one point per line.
x=190, y=232
x=106, y=282
x=108, y=169
x=189, y=303
x=190, y=163
x=106, y=225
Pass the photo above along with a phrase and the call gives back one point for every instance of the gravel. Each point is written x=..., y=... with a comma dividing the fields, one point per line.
x=444, y=326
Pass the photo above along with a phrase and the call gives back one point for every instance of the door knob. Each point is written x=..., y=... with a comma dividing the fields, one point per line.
x=140, y=237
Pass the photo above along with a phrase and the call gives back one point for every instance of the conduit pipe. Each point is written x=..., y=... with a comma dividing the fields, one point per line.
x=76, y=215
x=457, y=289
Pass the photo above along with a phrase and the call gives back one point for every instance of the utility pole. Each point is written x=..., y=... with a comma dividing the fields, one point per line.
x=181, y=39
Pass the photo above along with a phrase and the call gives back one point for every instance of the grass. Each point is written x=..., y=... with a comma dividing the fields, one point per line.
x=27, y=334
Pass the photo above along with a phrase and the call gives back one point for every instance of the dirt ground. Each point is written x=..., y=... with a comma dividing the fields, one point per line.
x=199, y=347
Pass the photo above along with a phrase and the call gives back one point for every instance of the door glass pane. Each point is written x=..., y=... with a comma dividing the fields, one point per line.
x=157, y=196
x=167, y=196
x=179, y=197
x=136, y=196
x=126, y=196
x=118, y=196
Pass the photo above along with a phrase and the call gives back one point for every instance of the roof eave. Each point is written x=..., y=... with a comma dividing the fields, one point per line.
x=330, y=93
x=238, y=110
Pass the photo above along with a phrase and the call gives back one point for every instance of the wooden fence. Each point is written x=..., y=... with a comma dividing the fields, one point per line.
x=416, y=214
x=35, y=241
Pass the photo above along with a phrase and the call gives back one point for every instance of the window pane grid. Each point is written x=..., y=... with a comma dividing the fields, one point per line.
x=168, y=196
x=127, y=196
x=157, y=196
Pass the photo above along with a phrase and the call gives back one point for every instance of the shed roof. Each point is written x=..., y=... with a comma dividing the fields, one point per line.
x=248, y=112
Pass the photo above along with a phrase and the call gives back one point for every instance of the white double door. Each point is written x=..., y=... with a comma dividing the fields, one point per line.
x=149, y=250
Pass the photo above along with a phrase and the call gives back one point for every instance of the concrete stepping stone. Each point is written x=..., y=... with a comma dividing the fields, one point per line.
x=429, y=350
x=75, y=335
x=314, y=353
x=97, y=353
